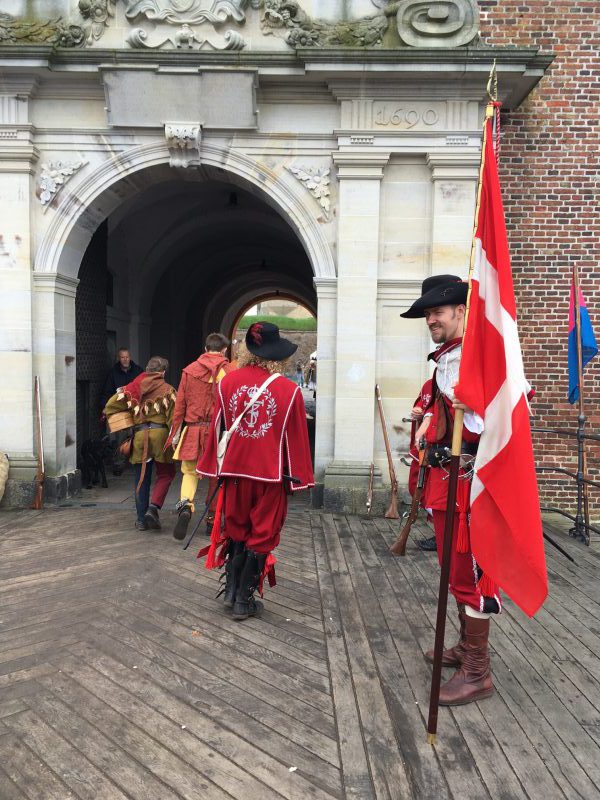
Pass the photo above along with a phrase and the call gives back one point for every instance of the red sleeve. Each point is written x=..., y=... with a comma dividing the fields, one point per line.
x=207, y=463
x=179, y=411
x=297, y=446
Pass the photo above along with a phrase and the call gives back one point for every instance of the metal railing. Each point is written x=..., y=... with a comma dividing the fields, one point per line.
x=581, y=529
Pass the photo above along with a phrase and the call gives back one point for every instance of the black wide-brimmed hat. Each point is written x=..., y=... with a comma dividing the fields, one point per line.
x=438, y=290
x=263, y=340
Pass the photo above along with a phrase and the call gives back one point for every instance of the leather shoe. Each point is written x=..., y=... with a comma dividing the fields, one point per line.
x=428, y=545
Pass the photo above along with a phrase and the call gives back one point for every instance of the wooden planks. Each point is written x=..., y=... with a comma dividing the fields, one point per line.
x=121, y=675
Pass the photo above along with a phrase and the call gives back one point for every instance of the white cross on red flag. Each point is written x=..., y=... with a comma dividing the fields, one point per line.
x=506, y=526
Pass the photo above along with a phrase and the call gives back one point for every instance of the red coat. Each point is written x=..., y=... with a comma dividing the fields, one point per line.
x=272, y=438
x=440, y=431
x=195, y=401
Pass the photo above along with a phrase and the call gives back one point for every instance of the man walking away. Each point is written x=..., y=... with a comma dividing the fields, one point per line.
x=151, y=401
x=191, y=421
x=269, y=442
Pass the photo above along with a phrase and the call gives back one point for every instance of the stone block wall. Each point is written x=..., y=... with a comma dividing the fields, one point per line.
x=549, y=174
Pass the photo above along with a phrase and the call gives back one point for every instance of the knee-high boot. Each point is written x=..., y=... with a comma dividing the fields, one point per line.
x=236, y=556
x=473, y=681
x=453, y=656
x=245, y=605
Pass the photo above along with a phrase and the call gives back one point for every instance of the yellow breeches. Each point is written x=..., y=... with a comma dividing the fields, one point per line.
x=189, y=483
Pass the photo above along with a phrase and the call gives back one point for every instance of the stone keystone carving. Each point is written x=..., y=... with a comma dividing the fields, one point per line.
x=436, y=23
x=54, y=175
x=317, y=183
x=186, y=39
x=183, y=141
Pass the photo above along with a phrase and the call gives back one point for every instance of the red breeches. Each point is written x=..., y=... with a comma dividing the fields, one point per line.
x=463, y=567
x=254, y=512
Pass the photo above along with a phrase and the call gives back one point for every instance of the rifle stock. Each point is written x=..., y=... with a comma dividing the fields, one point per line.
x=370, y=491
x=399, y=546
x=38, y=500
x=392, y=512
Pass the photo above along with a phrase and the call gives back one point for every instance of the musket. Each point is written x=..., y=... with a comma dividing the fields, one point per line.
x=38, y=500
x=370, y=490
x=392, y=512
x=399, y=546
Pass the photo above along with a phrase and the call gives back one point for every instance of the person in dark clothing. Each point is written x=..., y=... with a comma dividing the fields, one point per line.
x=122, y=373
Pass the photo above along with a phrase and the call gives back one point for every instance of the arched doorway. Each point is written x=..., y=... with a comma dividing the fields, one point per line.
x=172, y=264
x=119, y=208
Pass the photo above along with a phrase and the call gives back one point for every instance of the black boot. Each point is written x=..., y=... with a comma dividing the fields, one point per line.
x=183, y=519
x=236, y=556
x=245, y=605
x=151, y=517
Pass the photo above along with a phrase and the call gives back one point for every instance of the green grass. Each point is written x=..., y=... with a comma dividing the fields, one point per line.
x=283, y=323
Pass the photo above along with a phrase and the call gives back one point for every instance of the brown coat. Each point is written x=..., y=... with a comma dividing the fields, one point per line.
x=194, y=405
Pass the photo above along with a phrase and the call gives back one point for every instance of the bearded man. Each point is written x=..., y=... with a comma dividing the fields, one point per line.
x=443, y=305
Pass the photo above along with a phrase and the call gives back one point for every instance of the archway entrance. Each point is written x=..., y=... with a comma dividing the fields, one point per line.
x=173, y=262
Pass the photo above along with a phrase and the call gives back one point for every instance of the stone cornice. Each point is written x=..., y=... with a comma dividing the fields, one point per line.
x=454, y=166
x=360, y=164
x=326, y=288
x=59, y=284
x=519, y=69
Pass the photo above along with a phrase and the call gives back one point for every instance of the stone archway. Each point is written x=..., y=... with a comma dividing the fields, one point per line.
x=108, y=191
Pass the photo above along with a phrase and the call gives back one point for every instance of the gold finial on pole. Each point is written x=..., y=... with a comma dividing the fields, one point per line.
x=492, y=90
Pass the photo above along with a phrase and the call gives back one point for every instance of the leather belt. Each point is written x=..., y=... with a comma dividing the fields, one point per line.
x=198, y=422
x=146, y=426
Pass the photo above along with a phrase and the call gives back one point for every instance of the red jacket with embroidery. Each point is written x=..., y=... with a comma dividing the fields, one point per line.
x=272, y=438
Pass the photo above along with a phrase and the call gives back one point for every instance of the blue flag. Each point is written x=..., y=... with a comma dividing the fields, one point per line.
x=589, y=348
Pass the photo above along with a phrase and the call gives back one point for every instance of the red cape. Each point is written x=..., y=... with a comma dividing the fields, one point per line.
x=272, y=438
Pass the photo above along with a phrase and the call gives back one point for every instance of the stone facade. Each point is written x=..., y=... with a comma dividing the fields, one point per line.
x=328, y=151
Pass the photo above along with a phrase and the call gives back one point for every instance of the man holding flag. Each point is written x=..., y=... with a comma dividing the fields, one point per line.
x=497, y=533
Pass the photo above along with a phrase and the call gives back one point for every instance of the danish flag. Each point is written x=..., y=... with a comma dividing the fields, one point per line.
x=506, y=526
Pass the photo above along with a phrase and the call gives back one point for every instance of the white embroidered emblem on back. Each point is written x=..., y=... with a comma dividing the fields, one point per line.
x=259, y=417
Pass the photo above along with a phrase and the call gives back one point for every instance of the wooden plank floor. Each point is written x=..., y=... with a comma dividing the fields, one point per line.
x=121, y=676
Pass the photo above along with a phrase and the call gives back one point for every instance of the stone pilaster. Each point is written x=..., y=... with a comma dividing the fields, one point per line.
x=454, y=179
x=18, y=157
x=359, y=176
x=326, y=354
x=54, y=362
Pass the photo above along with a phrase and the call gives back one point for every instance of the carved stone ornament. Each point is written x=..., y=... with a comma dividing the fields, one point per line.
x=54, y=175
x=183, y=141
x=437, y=23
x=55, y=32
x=285, y=18
x=317, y=183
x=189, y=12
x=97, y=15
x=186, y=39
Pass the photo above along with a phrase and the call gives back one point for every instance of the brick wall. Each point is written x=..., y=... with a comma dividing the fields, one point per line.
x=549, y=174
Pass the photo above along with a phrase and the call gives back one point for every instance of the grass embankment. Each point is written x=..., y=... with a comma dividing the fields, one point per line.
x=283, y=323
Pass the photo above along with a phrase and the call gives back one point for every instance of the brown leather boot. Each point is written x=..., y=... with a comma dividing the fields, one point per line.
x=473, y=681
x=453, y=656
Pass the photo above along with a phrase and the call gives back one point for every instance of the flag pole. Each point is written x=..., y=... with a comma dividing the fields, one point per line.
x=440, y=624
x=581, y=521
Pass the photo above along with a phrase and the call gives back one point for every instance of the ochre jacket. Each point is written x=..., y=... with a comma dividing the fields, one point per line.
x=150, y=399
